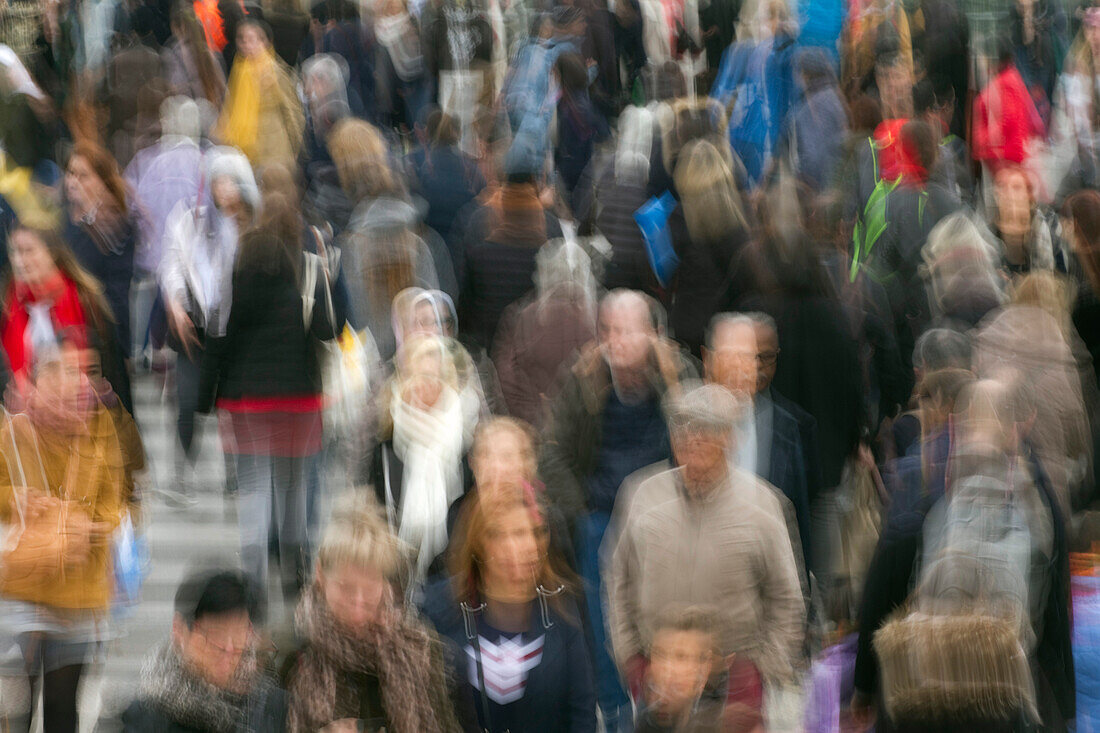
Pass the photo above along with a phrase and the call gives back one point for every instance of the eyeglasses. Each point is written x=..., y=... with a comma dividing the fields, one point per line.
x=767, y=358
x=223, y=642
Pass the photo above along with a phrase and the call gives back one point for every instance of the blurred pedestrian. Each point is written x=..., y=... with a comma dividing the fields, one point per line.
x=509, y=608
x=364, y=663
x=61, y=486
x=264, y=374
x=102, y=231
x=749, y=570
x=262, y=114
x=48, y=294
x=209, y=675
x=196, y=286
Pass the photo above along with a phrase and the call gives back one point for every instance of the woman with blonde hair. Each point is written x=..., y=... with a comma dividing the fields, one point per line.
x=510, y=607
x=386, y=247
x=419, y=465
x=709, y=230
x=362, y=160
x=364, y=660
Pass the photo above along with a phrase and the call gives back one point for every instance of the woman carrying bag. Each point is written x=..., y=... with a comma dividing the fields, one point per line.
x=265, y=375
x=60, y=501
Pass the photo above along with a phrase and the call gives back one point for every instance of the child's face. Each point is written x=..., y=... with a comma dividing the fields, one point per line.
x=680, y=663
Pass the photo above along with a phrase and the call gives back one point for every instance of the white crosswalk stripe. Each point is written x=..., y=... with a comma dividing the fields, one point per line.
x=179, y=539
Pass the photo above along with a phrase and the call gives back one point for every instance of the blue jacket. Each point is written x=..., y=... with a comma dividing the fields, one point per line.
x=819, y=155
x=759, y=78
x=560, y=696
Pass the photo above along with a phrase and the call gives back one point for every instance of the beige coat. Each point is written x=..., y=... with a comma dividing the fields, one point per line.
x=731, y=550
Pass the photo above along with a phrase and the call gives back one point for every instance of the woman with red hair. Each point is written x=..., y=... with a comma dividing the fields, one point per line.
x=1021, y=226
x=101, y=229
x=510, y=607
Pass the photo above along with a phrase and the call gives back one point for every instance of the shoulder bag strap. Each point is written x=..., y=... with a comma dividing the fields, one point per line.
x=309, y=287
x=19, y=505
x=391, y=510
x=328, y=285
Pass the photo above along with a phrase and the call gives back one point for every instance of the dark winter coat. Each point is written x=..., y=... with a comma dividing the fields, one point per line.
x=267, y=351
x=560, y=695
x=574, y=436
x=890, y=575
x=495, y=275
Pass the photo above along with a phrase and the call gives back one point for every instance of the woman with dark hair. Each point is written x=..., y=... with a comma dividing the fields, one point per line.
x=1020, y=225
x=510, y=608
x=101, y=230
x=189, y=65
x=265, y=376
x=48, y=293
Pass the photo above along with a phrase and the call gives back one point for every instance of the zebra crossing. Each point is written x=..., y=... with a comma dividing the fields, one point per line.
x=180, y=539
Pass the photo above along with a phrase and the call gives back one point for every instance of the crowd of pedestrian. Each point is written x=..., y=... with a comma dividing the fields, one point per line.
x=639, y=365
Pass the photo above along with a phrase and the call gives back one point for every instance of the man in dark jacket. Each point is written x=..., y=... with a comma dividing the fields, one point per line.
x=767, y=359
x=607, y=423
x=207, y=677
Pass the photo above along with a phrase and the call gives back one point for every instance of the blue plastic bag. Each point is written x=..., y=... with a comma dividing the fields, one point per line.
x=131, y=563
x=652, y=219
x=1086, y=651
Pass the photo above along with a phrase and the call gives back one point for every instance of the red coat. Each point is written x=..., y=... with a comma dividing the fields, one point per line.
x=1005, y=120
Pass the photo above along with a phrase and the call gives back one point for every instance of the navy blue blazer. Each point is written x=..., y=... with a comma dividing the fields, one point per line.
x=787, y=470
x=560, y=695
x=807, y=431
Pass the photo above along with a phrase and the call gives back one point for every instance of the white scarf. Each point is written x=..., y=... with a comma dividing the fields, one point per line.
x=430, y=446
x=40, y=333
x=397, y=34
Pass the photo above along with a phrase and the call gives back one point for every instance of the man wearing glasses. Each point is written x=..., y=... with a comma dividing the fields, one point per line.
x=207, y=676
x=741, y=355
